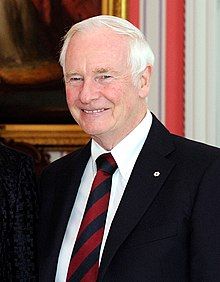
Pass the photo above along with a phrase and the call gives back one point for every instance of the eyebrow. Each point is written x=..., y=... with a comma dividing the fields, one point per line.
x=69, y=74
x=96, y=71
x=103, y=70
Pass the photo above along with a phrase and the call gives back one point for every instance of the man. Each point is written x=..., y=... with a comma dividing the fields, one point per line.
x=163, y=215
x=18, y=214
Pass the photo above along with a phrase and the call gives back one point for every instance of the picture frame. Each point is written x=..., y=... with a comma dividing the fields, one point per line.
x=49, y=125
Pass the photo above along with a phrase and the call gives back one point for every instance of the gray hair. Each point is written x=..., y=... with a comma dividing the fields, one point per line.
x=140, y=53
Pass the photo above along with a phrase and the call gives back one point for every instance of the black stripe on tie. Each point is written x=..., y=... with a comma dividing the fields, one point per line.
x=93, y=227
x=98, y=193
x=86, y=265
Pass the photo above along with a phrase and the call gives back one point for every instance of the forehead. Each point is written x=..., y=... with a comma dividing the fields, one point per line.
x=101, y=47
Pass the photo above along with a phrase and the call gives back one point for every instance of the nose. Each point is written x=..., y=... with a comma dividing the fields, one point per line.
x=89, y=91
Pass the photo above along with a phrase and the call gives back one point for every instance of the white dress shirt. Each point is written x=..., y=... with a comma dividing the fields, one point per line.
x=125, y=160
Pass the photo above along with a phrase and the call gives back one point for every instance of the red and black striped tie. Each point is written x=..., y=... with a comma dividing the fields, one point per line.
x=84, y=262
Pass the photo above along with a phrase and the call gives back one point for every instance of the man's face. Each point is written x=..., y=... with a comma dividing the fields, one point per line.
x=100, y=92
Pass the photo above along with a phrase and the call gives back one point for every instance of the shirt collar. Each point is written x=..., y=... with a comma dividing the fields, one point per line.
x=125, y=158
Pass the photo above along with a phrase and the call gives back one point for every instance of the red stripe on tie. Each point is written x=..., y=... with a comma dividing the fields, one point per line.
x=84, y=251
x=93, y=272
x=100, y=177
x=97, y=209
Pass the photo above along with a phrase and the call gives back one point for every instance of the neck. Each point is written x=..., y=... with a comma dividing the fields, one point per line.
x=108, y=140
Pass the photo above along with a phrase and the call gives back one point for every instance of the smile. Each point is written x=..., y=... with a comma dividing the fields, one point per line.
x=94, y=111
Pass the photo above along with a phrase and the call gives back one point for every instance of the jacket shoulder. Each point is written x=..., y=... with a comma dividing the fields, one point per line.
x=194, y=151
x=192, y=145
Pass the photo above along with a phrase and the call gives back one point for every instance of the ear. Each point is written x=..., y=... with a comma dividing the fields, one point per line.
x=145, y=81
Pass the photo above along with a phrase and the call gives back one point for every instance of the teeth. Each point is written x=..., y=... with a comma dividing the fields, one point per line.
x=94, y=111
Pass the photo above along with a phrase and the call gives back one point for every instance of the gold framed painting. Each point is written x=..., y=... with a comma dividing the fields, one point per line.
x=32, y=97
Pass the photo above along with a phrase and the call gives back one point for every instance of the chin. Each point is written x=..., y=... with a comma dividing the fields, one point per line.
x=94, y=131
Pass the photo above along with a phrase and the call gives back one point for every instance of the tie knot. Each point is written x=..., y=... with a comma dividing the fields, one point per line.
x=106, y=163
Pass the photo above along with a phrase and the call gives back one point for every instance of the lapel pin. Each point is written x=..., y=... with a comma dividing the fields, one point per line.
x=156, y=173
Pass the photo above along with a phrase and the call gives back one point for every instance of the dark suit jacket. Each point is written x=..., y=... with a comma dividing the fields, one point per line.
x=167, y=226
x=18, y=210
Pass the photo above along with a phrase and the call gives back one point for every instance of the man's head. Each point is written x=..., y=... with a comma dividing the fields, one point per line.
x=106, y=77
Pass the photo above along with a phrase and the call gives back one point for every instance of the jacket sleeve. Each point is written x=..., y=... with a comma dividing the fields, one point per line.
x=205, y=236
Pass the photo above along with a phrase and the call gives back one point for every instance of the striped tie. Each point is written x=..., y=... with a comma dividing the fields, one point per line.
x=84, y=262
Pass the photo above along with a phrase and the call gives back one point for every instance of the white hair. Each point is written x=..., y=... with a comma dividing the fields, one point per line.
x=140, y=53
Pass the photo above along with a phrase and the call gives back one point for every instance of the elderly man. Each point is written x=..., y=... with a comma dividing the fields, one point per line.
x=136, y=203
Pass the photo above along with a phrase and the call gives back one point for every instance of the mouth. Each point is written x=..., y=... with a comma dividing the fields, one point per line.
x=94, y=111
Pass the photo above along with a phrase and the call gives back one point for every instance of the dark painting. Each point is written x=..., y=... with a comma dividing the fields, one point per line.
x=31, y=87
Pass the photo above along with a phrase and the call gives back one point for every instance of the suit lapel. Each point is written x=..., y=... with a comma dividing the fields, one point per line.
x=66, y=193
x=148, y=176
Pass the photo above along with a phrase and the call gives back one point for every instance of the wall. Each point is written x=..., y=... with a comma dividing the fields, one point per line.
x=202, y=86
x=217, y=28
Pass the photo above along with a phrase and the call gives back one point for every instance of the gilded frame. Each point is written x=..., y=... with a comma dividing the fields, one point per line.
x=62, y=135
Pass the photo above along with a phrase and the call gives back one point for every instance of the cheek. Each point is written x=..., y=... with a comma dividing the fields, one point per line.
x=69, y=96
x=115, y=94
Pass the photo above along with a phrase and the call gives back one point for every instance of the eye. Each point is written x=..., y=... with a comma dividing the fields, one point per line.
x=106, y=76
x=74, y=79
x=102, y=78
